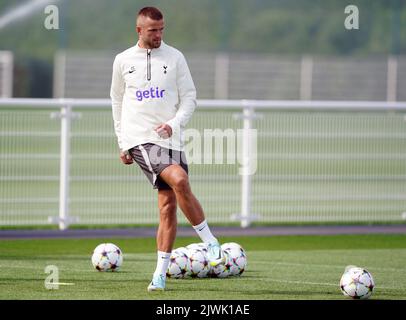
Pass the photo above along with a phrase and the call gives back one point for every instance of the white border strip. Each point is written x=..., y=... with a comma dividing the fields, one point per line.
x=146, y=159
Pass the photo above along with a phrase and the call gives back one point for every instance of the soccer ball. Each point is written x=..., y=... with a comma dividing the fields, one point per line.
x=198, y=246
x=222, y=270
x=357, y=283
x=107, y=257
x=182, y=250
x=237, y=258
x=179, y=264
x=198, y=264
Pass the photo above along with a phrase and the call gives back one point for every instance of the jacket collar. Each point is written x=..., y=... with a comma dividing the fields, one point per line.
x=137, y=48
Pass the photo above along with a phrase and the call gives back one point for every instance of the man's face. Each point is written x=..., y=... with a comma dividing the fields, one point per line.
x=150, y=32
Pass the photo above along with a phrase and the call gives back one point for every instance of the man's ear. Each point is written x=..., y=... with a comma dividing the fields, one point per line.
x=138, y=29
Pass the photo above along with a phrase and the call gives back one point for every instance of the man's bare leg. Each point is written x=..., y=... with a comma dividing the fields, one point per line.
x=167, y=220
x=165, y=237
x=176, y=177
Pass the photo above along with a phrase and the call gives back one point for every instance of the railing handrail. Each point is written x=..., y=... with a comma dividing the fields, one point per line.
x=324, y=105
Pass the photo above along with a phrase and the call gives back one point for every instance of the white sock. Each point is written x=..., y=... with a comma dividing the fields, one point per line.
x=162, y=263
x=204, y=232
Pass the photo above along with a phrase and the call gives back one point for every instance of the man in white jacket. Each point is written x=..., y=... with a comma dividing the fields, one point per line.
x=153, y=98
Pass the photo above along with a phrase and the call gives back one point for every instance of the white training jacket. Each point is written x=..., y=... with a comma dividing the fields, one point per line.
x=150, y=87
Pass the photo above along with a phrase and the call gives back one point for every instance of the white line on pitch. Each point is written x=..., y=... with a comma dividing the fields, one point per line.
x=320, y=283
x=326, y=265
x=303, y=282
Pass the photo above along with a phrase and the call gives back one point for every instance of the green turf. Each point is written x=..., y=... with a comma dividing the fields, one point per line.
x=279, y=267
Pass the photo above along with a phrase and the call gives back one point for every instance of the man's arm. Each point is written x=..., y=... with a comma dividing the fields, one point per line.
x=187, y=95
x=117, y=94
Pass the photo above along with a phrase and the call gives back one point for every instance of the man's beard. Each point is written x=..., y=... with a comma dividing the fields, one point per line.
x=155, y=44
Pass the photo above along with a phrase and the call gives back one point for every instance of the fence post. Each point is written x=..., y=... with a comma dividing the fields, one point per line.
x=221, y=76
x=246, y=166
x=391, y=82
x=306, y=78
x=6, y=76
x=247, y=147
x=66, y=115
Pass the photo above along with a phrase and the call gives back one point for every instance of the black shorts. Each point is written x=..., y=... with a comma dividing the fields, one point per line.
x=153, y=159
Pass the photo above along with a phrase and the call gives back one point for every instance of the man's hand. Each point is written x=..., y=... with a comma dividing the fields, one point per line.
x=164, y=131
x=126, y=158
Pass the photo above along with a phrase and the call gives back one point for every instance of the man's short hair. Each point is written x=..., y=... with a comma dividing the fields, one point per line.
x=151, y=12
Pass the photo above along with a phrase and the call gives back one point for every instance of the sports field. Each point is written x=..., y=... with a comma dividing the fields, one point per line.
x=279, y=268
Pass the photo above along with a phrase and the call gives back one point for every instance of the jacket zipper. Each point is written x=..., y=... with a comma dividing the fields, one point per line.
x=148, y=64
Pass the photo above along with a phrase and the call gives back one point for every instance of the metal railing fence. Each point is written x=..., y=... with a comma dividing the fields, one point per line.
x=315, y=161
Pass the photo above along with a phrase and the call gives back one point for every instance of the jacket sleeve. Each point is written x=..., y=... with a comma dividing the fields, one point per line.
x=116, y=94
x=187, y=95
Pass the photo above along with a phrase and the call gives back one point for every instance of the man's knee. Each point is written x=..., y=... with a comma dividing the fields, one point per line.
x=181, y=184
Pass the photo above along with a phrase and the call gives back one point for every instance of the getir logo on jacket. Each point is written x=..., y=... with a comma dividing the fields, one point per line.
x=154, y=93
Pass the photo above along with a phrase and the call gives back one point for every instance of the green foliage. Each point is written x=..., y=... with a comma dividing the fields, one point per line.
x=272, y=26
x=280, y=27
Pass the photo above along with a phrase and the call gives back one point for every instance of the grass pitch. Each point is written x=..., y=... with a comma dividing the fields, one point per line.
x=279, y=268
